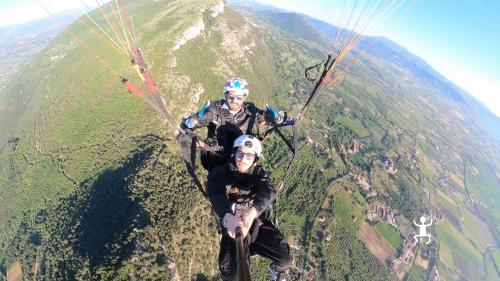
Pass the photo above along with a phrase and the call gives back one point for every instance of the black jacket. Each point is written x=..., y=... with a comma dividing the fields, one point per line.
x=239, y=188
x=223, y=127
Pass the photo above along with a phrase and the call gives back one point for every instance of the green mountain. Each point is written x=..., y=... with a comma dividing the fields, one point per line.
x=92, y=186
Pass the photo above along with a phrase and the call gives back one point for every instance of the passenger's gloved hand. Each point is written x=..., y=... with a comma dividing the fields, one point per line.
x=231, y=222
x=247, y=219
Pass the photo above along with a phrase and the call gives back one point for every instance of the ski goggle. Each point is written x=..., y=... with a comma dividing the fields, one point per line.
x=230, y=96
x=248, y=156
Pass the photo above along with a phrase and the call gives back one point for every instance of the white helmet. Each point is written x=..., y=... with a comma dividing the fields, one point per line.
x=236, y=85
x=249, y=141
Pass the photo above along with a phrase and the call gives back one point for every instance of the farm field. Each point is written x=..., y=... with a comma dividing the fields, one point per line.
x=375, y=243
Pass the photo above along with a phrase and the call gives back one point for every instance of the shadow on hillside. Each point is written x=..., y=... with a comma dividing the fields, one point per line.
x=106, y=214
x=202, y=277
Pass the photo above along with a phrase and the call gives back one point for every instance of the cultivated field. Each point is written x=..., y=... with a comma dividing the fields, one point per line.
x=375, y=243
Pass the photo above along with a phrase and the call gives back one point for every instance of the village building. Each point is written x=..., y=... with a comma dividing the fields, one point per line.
x=355, y=147
x=364, y=183
x=379, y=212
x=402, y=264
x=389, y=165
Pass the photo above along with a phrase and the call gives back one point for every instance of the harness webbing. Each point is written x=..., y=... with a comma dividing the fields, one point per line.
x=242, y=258
x=188, y=153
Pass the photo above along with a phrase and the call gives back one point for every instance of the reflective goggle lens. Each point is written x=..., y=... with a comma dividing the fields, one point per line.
x=233, y=96
x=248, y=156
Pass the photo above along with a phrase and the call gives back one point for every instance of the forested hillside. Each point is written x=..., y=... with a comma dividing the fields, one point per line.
x=92, y=186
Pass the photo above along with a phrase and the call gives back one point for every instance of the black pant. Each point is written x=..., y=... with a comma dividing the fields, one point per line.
x=264, y=240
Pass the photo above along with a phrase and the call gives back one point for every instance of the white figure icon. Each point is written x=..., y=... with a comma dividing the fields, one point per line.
x=423, y=230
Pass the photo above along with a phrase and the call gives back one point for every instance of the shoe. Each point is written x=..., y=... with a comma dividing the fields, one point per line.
x=278, y=275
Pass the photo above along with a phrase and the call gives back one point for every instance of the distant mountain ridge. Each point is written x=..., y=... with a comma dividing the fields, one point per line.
x=37, y=26
x=297, y=24
x=20, y=42
x=322, y=32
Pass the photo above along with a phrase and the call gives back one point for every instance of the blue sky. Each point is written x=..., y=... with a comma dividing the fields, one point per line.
x=459, y=38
